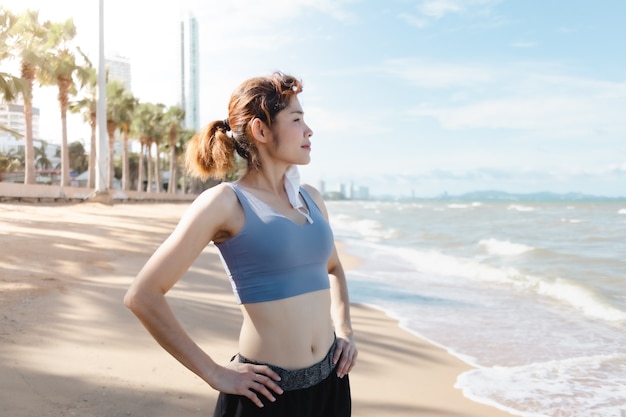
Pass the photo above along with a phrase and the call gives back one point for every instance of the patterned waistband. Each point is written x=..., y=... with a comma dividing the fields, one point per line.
x=300, y=378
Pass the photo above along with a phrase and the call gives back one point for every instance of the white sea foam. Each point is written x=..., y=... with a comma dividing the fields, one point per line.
x=370, y=230
x=622, y=211
x=504, y=248
x=571, y=220
x=518, y=207
x=458, y=206
x=559, y=387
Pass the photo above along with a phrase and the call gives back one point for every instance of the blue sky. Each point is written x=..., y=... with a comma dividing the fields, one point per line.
x=407, y=97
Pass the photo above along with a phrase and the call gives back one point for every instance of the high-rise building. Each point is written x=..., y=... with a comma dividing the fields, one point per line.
x=190, y=72
x=118, y=68
x=12, y=117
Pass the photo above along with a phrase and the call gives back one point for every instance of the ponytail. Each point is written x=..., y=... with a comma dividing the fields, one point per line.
x=211, y=152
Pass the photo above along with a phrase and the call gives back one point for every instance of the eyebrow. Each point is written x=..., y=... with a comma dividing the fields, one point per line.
x=296, y=112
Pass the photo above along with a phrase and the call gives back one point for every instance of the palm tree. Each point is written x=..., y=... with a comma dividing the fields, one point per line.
x=172, y=120
x=127, y=103
x=148, y=126
x=58, y=68
x=10, y=161
x=41, y=156
x=10, y=86
x=87, y=106
x=184, y=136
x=78, y=157
x=115, y=93
x=30, y=38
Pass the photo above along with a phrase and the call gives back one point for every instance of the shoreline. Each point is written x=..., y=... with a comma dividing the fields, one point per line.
x=68, y=345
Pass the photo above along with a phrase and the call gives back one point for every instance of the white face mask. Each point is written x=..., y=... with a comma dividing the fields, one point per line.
x=292, y=187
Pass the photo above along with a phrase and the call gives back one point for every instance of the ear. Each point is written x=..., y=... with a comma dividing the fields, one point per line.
x=260, y=131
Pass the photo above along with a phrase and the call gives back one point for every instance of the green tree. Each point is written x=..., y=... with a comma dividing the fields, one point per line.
x=79, y=160
x=10, y=86
x=149, y=128
x=172, y=120
x=28, y=37
x=184, y=136
x=86, y=104
x=41, y=156
x=58, y=68
x=127, y=103
x=120, y=107
x=11, y=161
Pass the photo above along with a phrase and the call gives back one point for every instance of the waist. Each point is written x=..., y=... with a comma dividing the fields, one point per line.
x=292, y=333
x=294, y=379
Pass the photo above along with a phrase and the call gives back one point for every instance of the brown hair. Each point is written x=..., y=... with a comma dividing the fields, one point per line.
x=211, y=152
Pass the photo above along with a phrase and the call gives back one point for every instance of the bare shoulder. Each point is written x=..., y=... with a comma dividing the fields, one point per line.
x=215, y=211
x=316, y=196
x=313, y=192
x=218, y=197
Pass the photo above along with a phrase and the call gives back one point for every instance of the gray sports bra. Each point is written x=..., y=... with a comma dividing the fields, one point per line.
x=272, y=257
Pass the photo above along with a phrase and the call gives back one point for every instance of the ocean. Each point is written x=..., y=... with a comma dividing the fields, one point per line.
x=531, y=294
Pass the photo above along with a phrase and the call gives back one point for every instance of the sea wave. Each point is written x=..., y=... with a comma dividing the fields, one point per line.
x=370, y=230
x=545, y=389
x=560, y=290
x=518, y=207
x=504, y=248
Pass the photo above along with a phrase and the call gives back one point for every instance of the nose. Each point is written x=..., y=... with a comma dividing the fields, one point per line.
x=308, y=132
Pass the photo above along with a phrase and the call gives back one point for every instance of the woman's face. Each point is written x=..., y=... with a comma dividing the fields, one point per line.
x=292, y=136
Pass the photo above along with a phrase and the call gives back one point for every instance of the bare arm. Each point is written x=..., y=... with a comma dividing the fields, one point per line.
x=207, y=218
x=346, y=352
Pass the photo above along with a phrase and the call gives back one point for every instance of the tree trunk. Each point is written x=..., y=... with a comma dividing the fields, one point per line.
x=28, y=74
x=111, y=168
x=149, y=167
x=65, y=153
x=142, y=150
x=157, y=170
x=125, y=166
x=171, y=185
x=92, y=152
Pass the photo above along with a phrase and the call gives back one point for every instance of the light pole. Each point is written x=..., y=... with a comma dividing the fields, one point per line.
x=102, y=153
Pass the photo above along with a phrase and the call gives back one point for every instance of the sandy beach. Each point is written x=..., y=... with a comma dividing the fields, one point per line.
x=68, y=346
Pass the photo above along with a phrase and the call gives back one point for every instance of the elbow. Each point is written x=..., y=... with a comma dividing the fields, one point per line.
x=131, y=300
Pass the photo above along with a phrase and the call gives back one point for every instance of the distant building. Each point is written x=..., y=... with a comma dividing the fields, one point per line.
x=361, y=193
x=118, y=68
x=12, y=116
x=190, y=72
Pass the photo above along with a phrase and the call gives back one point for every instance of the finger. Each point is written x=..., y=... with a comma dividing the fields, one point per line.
x=250, y=394
x=261, y=389
x=266, y=381
x=337, y=354
x=266, y=370
x=346, y=363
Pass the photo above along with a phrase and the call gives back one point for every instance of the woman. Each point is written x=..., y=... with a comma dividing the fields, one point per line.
x=296, y=346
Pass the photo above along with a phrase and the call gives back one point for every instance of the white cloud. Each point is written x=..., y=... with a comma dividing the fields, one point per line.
x=412, y=20
x=439, y=8
x=428, y=74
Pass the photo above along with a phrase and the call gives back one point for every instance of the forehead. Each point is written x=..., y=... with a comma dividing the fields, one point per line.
x=294, y=106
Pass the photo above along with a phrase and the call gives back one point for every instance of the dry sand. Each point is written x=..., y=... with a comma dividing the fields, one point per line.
x=68, y=346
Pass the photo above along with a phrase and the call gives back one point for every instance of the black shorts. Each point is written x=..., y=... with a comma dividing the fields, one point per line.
x=328, y=397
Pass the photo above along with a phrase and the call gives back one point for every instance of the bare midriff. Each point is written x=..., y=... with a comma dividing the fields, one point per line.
x=292, y=333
